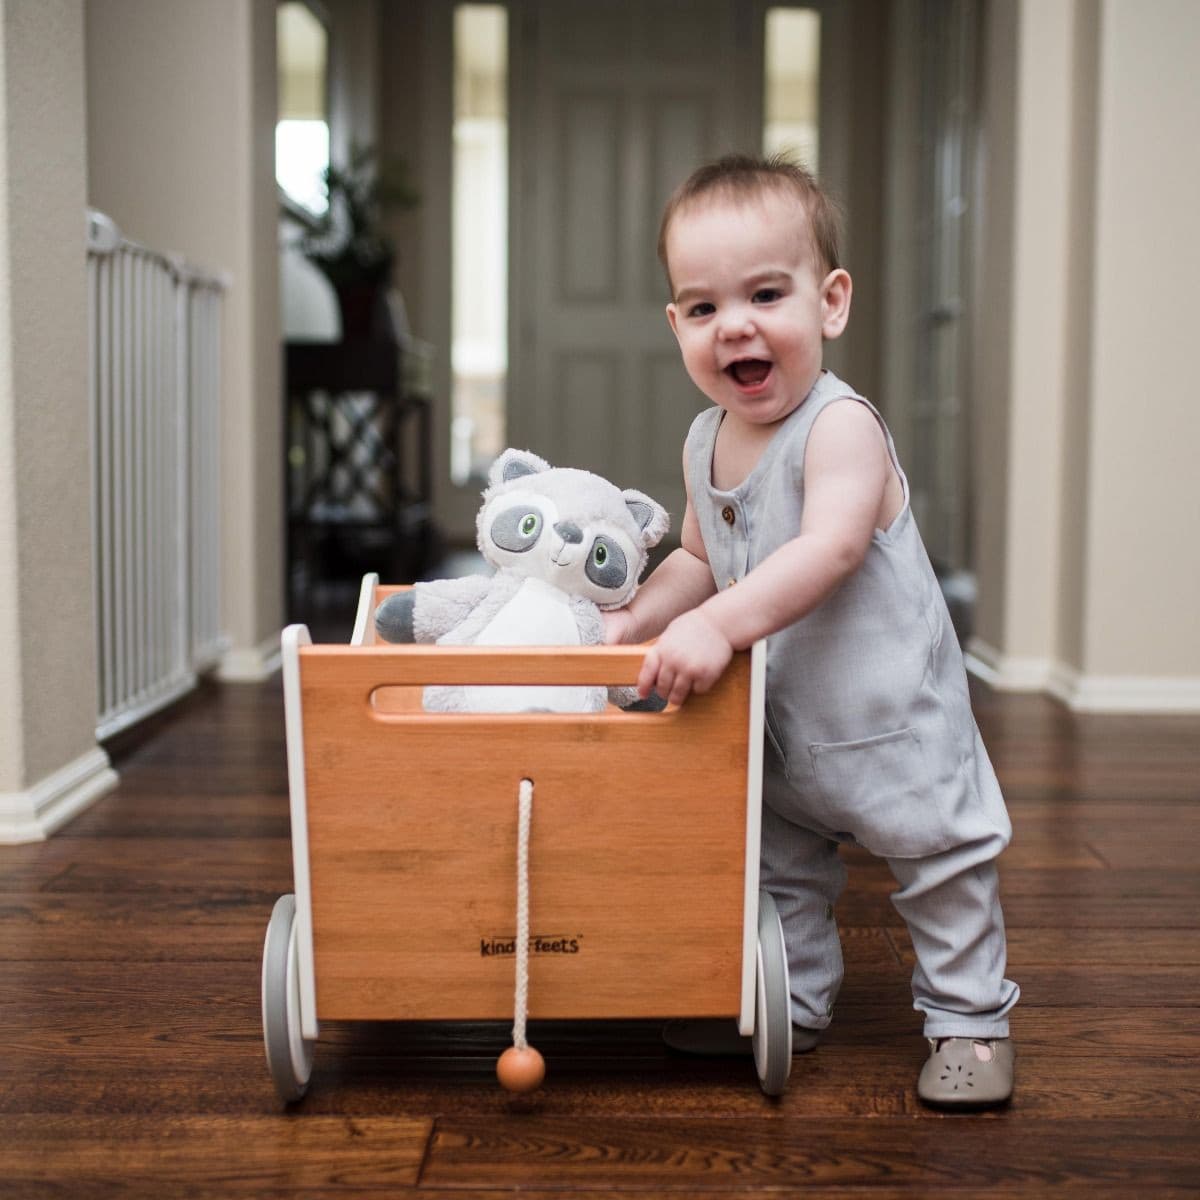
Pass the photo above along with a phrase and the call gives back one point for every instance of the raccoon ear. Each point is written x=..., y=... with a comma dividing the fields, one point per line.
x=651, y=517
x=512, y=464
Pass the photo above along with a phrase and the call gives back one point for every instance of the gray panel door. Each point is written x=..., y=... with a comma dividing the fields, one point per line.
x=613, y=104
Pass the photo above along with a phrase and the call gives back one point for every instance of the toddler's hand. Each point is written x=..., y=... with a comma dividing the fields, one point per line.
x=689, y=657
x=618, y=626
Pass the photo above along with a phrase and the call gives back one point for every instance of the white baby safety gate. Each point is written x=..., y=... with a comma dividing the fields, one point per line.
x=154, y=355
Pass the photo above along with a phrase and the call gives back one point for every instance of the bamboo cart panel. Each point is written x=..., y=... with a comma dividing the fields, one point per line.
x=637, y=852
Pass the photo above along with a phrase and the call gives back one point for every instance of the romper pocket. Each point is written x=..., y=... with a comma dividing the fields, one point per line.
x=881, y=791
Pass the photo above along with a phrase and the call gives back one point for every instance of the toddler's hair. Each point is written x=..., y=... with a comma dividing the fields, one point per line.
x=746, y=177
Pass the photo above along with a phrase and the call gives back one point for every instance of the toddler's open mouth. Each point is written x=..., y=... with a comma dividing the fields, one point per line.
x=749, y=372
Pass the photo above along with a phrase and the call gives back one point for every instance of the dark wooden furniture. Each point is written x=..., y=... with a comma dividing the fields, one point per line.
x=358, y=467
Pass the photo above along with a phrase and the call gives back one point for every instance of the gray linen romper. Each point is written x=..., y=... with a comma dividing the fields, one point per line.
x=871, y=740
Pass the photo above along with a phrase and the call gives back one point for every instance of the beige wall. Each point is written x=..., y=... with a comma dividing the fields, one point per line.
x=1035, y=261
x=181, y=118
x=49, y=762
x=1143, y=550
x=1088, y=567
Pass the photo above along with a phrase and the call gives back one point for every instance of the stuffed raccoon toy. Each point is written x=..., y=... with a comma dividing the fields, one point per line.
x=565, y=544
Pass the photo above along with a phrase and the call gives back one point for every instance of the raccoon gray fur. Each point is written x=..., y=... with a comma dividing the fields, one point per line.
x=564, y=544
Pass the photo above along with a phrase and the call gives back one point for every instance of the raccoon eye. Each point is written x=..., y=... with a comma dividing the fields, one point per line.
x=517, y=530
x=606, y=565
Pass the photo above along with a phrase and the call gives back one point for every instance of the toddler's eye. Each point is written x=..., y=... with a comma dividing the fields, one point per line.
x=529, y=524
x=766, y=295
x=703, y=309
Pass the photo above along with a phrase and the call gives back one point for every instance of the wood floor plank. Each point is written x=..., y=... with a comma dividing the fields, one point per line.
x=252, y=867
x=1054, y=886
x=1141, y=779
x=851, y=1082
x=120, y=927
x=1120, y=849
x=602, y=1191
x=111, y=1016
x=173, y=811
x=1077, y=1029
x=692, y=1155
x=1087, y=947
x=1032, y=849
x=1152, y=988
x=233, y=1156
x=870, y=906
x=944, y=1191
x=1106, y=1064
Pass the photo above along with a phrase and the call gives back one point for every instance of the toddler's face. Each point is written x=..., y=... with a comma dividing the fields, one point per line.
x=752, y=304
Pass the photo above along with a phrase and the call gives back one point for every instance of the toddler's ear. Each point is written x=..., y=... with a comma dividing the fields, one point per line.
x=512, y=464
x=651, y=517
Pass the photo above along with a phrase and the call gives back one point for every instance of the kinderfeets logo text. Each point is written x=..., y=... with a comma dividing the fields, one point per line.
x=539, y=943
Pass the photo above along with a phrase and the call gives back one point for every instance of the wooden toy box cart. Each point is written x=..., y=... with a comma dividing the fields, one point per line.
x=642, y=853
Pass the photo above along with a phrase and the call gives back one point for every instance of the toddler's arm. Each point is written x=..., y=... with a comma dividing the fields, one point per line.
x=680, y=582
x=846, y=471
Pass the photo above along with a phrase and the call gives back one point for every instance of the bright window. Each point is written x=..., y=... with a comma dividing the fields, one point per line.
x=793, y=59
x=479, y=349
x=302, y=128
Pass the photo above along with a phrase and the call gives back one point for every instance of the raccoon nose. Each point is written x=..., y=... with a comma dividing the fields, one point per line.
x=569, y=532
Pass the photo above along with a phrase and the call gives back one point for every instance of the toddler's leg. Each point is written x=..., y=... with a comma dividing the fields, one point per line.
x=805, y=874
x=951, y=905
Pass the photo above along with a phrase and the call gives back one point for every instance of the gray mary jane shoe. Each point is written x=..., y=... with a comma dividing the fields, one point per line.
x=963, y=1072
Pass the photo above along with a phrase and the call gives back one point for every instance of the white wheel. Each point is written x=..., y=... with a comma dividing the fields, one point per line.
x=773, y=1002
x=289, y=1055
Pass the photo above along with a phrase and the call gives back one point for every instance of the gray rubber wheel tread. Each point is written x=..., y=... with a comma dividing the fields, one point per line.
x=274, y=1001
x=773, y=1074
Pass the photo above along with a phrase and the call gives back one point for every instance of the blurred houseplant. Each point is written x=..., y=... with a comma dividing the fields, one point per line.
x=350, y=248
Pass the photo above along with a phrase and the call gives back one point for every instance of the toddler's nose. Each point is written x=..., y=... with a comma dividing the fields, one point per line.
x=569, y=532
x=735, y=327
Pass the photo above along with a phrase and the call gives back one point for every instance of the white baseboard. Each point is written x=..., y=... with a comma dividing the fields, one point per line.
x=1129, y=693
x=34, y=814
x=1007, y=673
x=1079, y=691
x=251, y=664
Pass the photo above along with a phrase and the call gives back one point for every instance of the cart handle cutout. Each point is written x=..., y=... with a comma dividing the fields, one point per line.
x=391, y=702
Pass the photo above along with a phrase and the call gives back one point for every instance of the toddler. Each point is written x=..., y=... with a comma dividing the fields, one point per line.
x=798, y=528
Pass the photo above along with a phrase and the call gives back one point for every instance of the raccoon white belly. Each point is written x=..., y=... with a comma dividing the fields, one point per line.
x=538, y=615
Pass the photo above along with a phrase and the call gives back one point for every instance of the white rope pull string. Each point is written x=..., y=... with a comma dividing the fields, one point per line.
x=521, y=1068
x=521, y=1000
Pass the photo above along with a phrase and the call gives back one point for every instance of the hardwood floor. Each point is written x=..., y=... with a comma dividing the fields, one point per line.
x=131, y=1057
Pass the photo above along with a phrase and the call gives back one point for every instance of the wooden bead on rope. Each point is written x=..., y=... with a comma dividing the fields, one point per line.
x=520, y=1069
